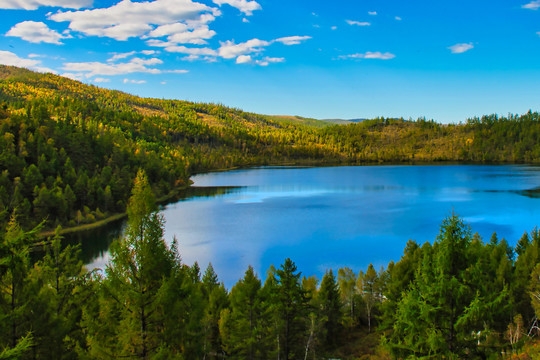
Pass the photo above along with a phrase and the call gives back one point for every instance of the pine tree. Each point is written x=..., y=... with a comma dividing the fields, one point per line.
x=291, y=304
x=16, y=294
x=330, y=310
x=58, y=305
x=243, y=320
x=439, y=314
x=134, y=288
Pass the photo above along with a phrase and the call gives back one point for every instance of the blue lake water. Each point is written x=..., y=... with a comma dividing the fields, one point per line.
x=330, y=217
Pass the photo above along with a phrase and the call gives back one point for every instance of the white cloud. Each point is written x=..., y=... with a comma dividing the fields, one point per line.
x=227, y=50
x=533, y=5
x=230, y=50
x=358, y=23
x=36, y=32
x=176, y=71
x=9, y=58
x=168, y=29
x=137, y=19
x=244, y=20
x=34, y=4
x=398, y=18
x=247, y=7
x=460, y=48
x=538, y=33
x=267, y=60
x=372, y=13
x=128, y=81
x=334, y=28
x=247, y=59
x=244, y=59
x=101, y=80
x=196, y=36
x=163, y=82
x=72, y=76
x=183, y=49
x=370, y=55
x=120, y=56
x=292, y=40
x=135, y=65
x=149, y=52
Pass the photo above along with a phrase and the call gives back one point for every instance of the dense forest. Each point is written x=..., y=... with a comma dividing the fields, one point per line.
x=69, y=151
x=73, y=154
x=458, y=298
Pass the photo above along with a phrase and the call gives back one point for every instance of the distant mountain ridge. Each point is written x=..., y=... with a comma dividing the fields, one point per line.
x=344, y=121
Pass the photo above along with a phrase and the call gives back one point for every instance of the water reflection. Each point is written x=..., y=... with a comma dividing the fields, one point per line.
x=95, y=243
x=336, y=216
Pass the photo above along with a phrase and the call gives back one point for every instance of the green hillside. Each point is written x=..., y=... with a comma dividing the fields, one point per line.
x=70, y=151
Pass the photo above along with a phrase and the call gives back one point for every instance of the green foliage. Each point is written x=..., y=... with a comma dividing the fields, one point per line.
x=242, y=323
x=330, y=311
x=69, y=153
x=65, y=145
x=457, y=303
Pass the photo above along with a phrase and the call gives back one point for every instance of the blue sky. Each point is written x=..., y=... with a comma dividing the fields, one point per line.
x=445, y=60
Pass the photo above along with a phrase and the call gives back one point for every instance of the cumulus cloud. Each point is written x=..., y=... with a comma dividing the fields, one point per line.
x=244, y=59
x=186, y=50
x=398, y=18
x=247, y=7
x=292, y=40
x=372, y=13
x=137, y=19
x=128, y=81
x=230, y=50
x=460, y=48
x=135, y=65
x=370, y=55
x=101, y=80
x=358, y=23
x=243, y=51
x=247, y=59
x=533, y=5
x=9, y=58
x=72, y=76
x=267, y=60
x=36, y=32
x=120, y=56
x=34, y=4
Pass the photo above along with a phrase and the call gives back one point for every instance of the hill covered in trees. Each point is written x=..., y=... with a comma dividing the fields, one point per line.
x=69, y=151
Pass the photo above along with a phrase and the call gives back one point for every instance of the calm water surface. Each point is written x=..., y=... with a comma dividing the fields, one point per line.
x=336, y=216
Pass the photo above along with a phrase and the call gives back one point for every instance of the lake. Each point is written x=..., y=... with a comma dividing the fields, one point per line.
x=330, y=217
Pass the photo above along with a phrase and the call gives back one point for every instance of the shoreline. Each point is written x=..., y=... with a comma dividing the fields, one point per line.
x=42, y=236
x=175, y=192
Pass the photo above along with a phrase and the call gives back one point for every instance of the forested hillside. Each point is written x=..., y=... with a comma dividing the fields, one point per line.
x=69, y=151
